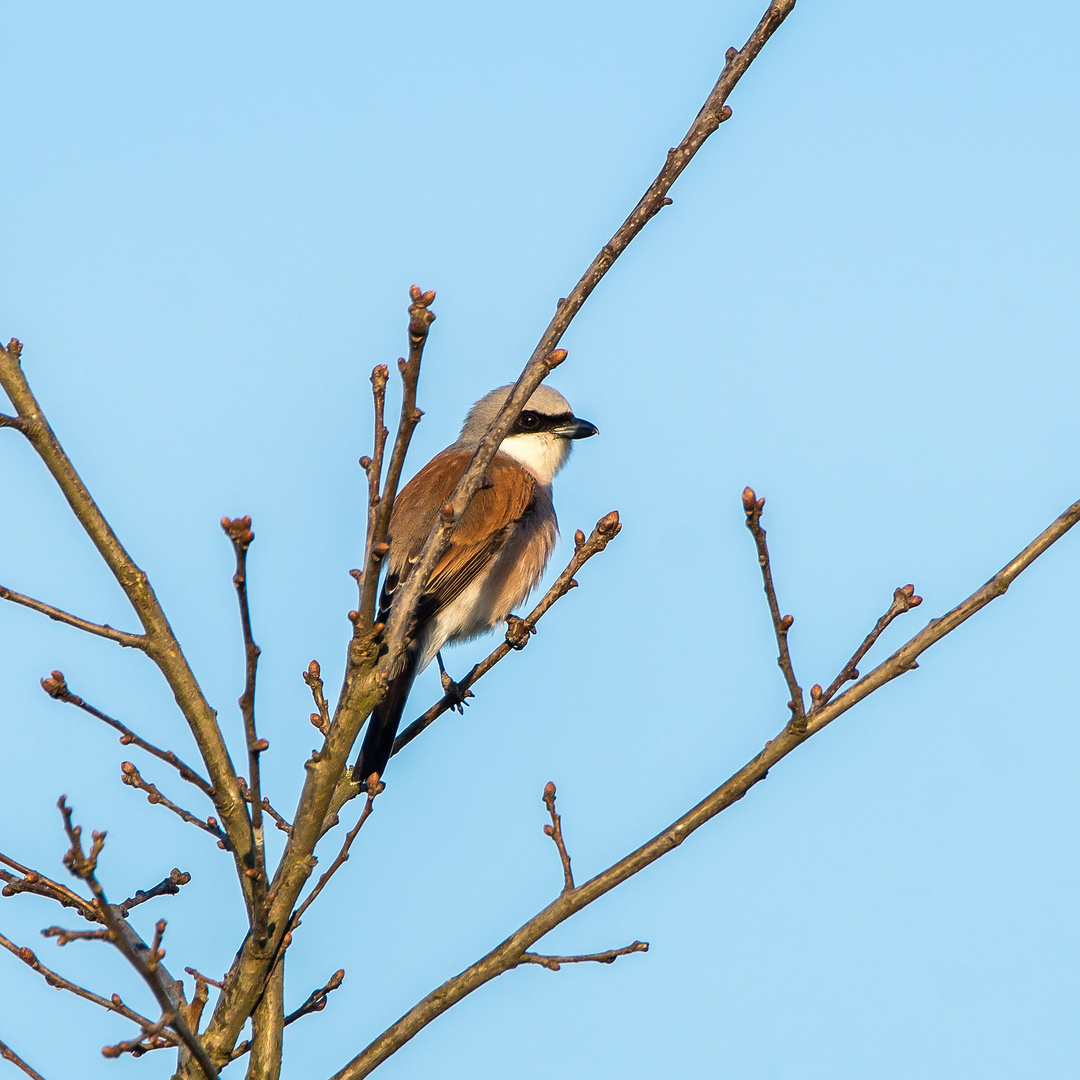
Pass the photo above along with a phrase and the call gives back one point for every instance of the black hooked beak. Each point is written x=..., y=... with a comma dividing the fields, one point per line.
x=577, y=429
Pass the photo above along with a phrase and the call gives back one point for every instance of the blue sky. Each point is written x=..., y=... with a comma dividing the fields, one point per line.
x=862, y=303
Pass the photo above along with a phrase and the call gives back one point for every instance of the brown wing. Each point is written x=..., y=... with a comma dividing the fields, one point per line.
x=478, y=535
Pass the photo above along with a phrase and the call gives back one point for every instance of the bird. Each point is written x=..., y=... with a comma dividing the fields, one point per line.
x=497, y=553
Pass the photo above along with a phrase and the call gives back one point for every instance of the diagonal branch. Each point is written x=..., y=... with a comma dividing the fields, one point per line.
x=508, y=954
x=56, y=687
x=121, y=637
x=31, y=881
x=239, y=532
x=753, y=506
x=131, y=776
x=5, y=1051
x=162, y=646
x=547, y=355
x=553, y=963
x=169, y=886
x=519, y=630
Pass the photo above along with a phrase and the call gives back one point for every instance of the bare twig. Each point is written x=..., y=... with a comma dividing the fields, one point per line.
x=5, y=1051
x=753, y=506
x=153, y=1037
x=316, y=1000
x=56, y=687
x=373, y=467
x=121, y=637
x=162, y=646
x=554, y=830
x=30, y=881
x=342, y=858
x=420, y=320
x=239, y=532
x=169, y=886
x=83, y=865
x=131, y=776
x=57, y=981
x=313, y=677
x=904, y=599
x=519, y=630
x=553, y=963
x=65, y=937
x=508, y=954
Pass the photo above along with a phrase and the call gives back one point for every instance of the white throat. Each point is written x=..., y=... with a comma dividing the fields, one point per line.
x=543, y=453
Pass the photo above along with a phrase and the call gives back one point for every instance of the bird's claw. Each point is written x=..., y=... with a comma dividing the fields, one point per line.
x=457, y=694
x=517, y=633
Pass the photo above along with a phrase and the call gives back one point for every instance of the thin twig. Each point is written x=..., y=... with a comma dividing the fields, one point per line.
x=373, y=467
x=56, y=687
x=239, y=532
x=313, y=677
x=518, y=631
x=121, y=637
x=5, y=1051
x=904, y=599
x=58, y=982
x=316, y=1000
x=131, y=776
x=420, y=320
x=342, y=857
x=553, y=963
x=151, y=1038
x=554, y=830
x=162, y=647
x=65, y=937
x=30, y=881
x=508, y=954
x=753, y=506
x=83, y=865
x=169, y=886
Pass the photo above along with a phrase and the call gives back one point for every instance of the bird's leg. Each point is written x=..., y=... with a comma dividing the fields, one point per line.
x=457, y=694
x=517, y=632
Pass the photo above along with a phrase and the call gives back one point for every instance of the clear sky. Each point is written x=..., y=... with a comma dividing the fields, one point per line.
x=862, y=303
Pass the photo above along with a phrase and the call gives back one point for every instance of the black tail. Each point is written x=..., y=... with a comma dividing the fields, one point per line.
x=384, y=721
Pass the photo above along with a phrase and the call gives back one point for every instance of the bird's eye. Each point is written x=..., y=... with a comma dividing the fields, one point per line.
x=528, y=421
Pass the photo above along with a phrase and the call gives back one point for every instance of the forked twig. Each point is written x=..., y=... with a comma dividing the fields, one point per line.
x=553, y=963
x=131, y=776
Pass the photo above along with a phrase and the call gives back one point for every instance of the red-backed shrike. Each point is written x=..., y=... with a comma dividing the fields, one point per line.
x=497, y=552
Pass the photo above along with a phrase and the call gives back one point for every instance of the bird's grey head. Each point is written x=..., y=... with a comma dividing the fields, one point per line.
x=542, y=435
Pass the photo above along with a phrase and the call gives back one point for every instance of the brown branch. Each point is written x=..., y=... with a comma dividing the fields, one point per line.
x=65, y=937
x=546, y=355
x=5, y=1051
x=316, y=1000
x=553, y=963
x=313, y=677
x=170, y=886
x=131, y=776
x=342, y=858
x=753, y=506
x=121, y=637
x=904, y=599
x=554, y=830
x=15, y=422
x=519, y=630
x=31, y=881
x=508, y=954
x=239, y=532
x=58, y=982
x=83, y=865
x=280, y=822
x=420, y=320
x=373, y=467
x=56, y=687
x=162, y=646
x=153, y=1037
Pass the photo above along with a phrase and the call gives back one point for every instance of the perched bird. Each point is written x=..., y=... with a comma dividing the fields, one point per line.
x=497, y=552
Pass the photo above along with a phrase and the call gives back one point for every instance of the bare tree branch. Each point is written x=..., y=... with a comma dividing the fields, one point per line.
x=31, y=881
x=121, y=637
x=131, y=776
x=554, y=830
x=239, y=532
x=373, y=467
x=83, y=865
x=313, y=677
x=5, y=1051
x=508, y=954
x=56, y=687
x=169, y=886
x=162, y=646
x=519, y=630
x=316, y=1000
x=553, y=963
x=753, y=506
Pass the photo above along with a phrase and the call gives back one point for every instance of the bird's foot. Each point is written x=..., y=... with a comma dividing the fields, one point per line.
x=457, y=694
x=517, y=633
